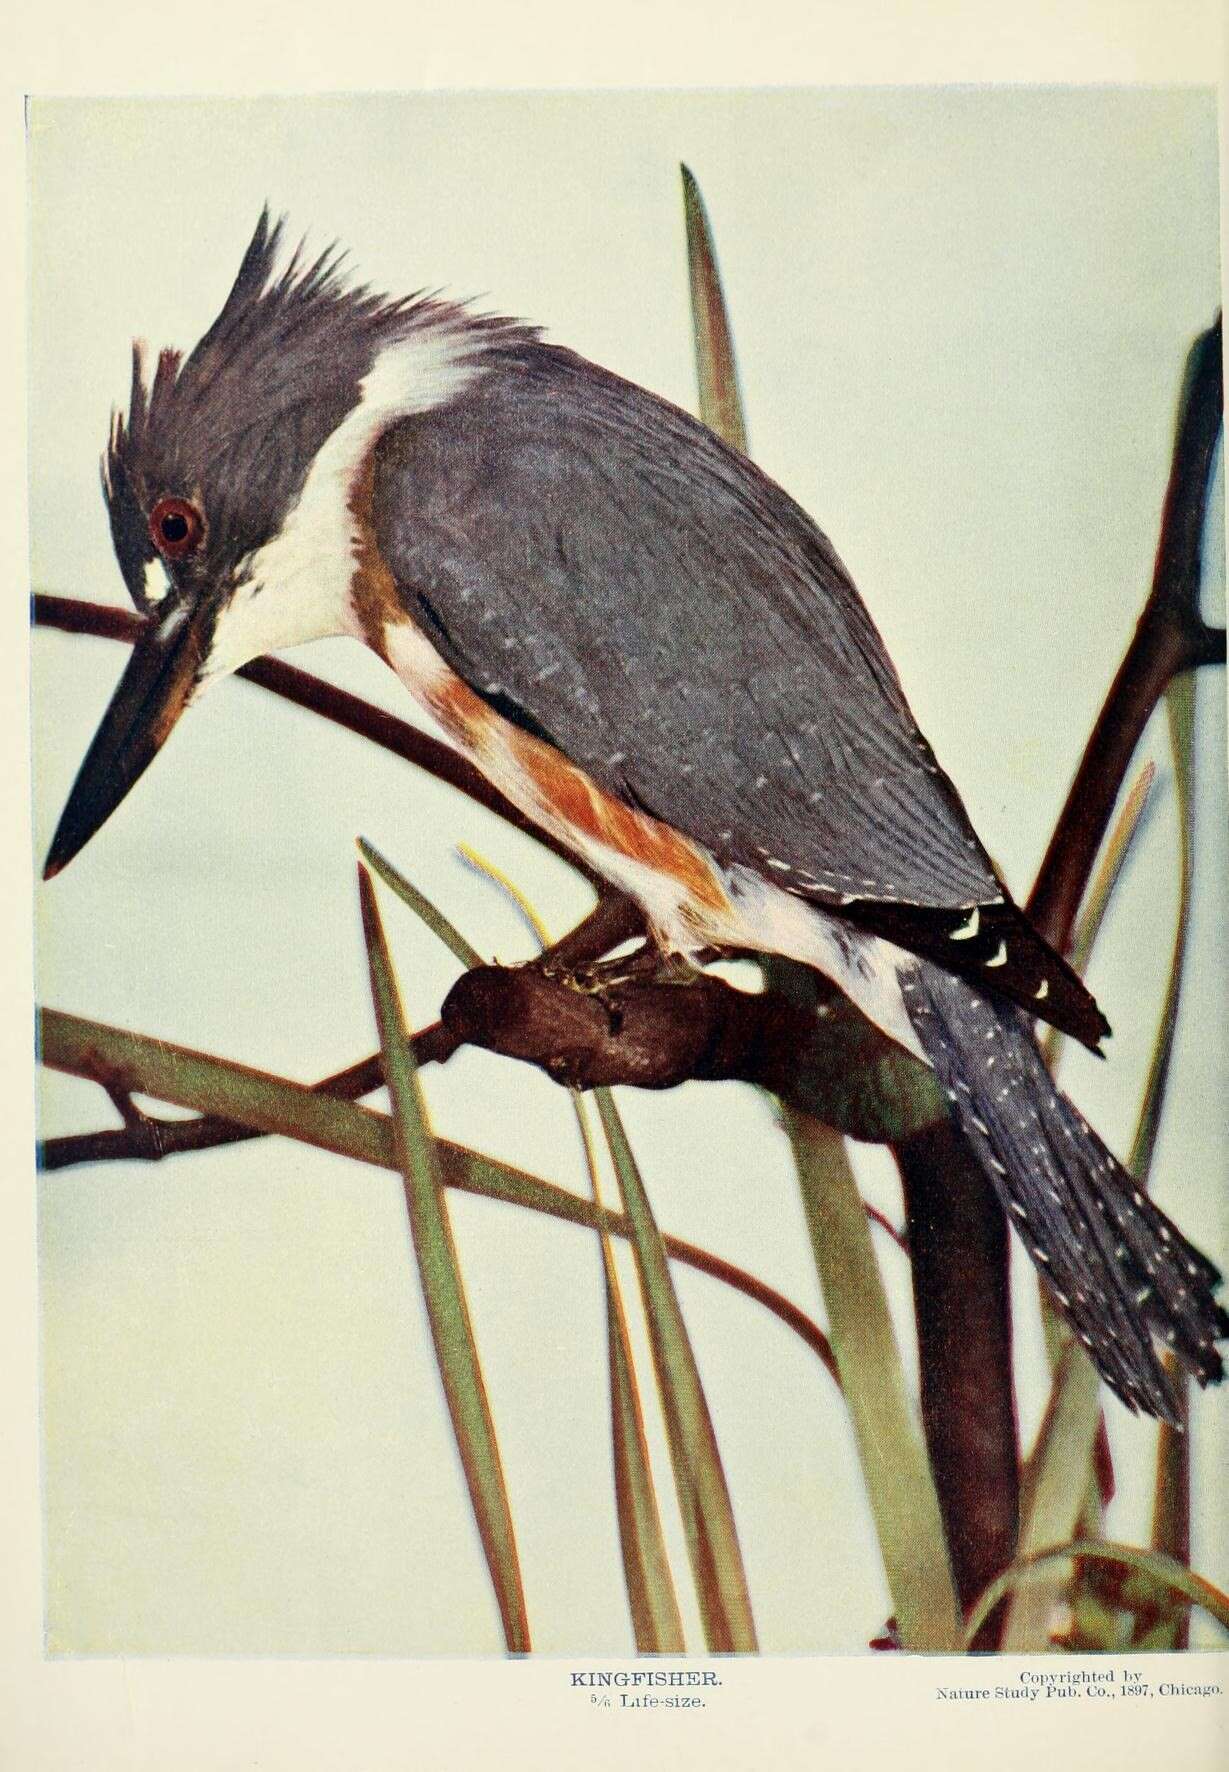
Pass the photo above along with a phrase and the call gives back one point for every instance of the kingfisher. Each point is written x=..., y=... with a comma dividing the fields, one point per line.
x=660, y=659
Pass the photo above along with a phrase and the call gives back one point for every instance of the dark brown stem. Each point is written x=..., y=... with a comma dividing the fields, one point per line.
x=955, y=1225
x=125, y=1107
x=1207, y=646
x=1170, y=637
x=657, y=1034
x=1171, y=1512
x=967, y=1412
x=613, y=920
x=644, y=1032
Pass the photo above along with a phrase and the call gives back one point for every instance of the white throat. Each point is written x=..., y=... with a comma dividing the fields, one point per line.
x=297, y=587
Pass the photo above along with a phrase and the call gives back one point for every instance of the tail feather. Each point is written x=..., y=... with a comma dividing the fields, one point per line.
x=1116, y=1267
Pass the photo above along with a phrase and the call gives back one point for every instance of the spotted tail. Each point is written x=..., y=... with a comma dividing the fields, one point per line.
x=1115, y=1266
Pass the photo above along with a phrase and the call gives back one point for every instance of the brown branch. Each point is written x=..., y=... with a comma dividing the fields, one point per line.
x=1170, y=637
x=125, y=1107
x=650, y=1034
x=613, y=920
x=958, y=1241
x=956, y=1227
x=1207, y=646
x=656, y=1035
x=358, y=1080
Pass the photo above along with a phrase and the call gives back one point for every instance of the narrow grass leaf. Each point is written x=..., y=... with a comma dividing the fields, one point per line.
x=1116, y=853
x=525, y=910
x=656, y=1624
x=895, y=1468
x=652, y=1601
x=704, y=1497
x=443, y=1292
x=1054, y=1493
x=1166, y=1575
x=1171, y=1507
x=721, y=406
x=276, y=1106
x=1180, y=708
x=1118, y=850
x=421, y=906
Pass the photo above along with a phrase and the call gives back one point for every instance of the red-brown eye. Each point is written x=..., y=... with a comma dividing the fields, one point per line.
x=175, y=528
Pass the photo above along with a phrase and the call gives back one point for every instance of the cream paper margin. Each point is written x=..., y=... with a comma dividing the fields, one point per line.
x=851, y=1712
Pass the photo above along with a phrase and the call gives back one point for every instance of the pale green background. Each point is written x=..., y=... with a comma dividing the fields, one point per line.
x=960, y=319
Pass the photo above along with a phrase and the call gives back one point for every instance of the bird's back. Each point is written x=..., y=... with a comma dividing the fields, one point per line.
x=607, y=574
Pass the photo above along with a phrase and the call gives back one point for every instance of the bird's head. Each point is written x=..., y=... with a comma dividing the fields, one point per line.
x=231, y=483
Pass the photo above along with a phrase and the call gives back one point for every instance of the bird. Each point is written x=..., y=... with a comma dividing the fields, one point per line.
x=660, y=659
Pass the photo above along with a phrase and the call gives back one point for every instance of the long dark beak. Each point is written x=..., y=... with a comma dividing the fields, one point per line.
x=152, y=694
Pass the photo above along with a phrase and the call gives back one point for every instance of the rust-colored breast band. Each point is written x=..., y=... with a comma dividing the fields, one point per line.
x=373, y=590
x=551, y=787
x=579, y=804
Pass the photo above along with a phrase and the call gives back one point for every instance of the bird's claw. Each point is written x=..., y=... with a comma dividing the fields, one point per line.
x=648, y=964
x=604, y=980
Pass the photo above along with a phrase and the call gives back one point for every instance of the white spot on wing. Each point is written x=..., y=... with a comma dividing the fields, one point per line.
x=968, y=929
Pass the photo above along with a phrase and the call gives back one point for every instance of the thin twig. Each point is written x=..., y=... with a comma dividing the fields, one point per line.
x=1171, y=637
x=578, y=1211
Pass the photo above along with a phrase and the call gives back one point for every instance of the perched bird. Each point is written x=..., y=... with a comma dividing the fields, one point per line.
x=659, y=658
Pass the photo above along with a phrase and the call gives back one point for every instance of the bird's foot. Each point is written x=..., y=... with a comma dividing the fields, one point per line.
x=646, y=965
x=607, y=980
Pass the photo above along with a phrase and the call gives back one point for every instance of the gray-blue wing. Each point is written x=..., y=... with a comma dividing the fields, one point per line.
x=602, y=569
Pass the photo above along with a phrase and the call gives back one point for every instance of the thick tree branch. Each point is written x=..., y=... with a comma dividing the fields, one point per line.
x=655, y=1035
x=1170, y=637
x=958, y=1241
x=955, y=1224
